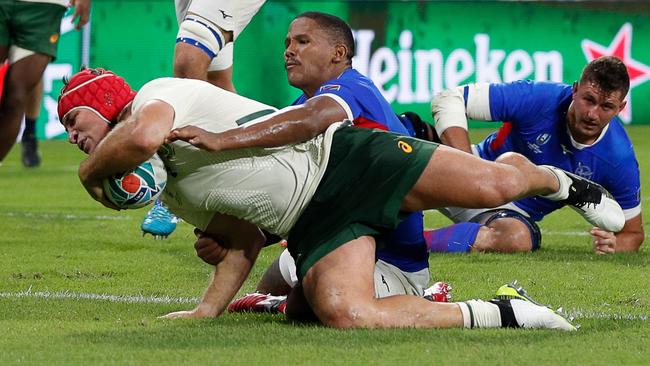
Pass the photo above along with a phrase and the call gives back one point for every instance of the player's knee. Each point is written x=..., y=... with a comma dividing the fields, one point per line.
x=188, y=63
x=504, y=235
x=512, y=158
x=344, y=314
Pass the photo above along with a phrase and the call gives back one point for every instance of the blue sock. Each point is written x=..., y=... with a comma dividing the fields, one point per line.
x=457, y=238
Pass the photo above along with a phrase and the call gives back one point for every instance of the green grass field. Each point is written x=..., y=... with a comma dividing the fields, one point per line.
x=80, y=286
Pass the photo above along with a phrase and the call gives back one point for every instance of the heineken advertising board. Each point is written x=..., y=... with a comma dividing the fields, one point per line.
x=411, y=49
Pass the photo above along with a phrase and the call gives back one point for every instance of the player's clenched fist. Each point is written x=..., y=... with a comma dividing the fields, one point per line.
x=208, y=249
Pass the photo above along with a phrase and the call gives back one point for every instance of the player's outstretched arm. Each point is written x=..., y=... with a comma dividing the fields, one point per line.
x=240, y=243
x=287, y=126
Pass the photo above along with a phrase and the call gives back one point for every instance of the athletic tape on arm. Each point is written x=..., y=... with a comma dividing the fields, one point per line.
x=450, y=108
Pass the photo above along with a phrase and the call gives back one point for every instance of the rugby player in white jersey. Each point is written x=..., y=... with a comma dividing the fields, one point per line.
x=292, y=190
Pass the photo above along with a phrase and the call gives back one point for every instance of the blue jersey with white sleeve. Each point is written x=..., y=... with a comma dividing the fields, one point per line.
x=365, y=106
x=537, y=112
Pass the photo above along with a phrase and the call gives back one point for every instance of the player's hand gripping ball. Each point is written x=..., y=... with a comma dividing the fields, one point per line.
x=138, y=187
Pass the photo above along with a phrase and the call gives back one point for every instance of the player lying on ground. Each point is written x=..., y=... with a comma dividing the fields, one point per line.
x=297, y=192
x=573, y=127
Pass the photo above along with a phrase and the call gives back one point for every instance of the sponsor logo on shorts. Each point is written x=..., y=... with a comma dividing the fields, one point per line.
x=225, y=15
x=54, y=37
x=404, y=146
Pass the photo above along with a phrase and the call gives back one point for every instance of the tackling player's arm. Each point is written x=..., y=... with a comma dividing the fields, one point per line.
x=288, y=126
x=130, y=143
x=627, y=240
x=236, y=244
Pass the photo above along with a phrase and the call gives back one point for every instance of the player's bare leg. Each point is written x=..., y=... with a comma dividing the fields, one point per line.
x=341, y=303
x=222, y=79
x=272, y=281
x=20, y=80
x=190, y=62
x=30, y=155
x=509, y=178
x=484, y=183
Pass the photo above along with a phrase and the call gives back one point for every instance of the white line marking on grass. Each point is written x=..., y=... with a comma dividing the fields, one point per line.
x=131, y=299
x=141, y=299
x=63, y=216
x=579, y=314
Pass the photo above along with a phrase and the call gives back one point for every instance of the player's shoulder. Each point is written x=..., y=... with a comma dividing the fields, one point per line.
x=168, y=82
x=160, y=85
x=350, y=79
x=539, y=90
x=617, y=142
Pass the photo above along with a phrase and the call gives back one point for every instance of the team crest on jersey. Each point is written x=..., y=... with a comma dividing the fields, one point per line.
x=543, y=139
x=330, y=87
x=584, y=171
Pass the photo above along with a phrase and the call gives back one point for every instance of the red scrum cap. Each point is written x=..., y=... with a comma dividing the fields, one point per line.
x=99, y=90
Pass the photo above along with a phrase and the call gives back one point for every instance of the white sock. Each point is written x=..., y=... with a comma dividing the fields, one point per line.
x=565, y=183
x=480, y=314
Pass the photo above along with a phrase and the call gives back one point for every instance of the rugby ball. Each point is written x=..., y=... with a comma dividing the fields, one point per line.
x=138, y=187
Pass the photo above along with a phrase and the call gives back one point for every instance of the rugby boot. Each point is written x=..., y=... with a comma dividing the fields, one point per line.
x=591, y=201
x=438, y=292
x=159, y=222
x=30, y=156
x=518, y=309
x=260, y=303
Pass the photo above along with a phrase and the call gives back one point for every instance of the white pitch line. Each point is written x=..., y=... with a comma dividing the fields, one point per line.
x=131, y=299
x=141, y=299
x=63, y=216
x=579, y=314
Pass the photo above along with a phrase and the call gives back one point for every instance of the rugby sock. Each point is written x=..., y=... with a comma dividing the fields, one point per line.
x=30, y=127
x=457, y=238
x=565, y=184
x=481, y=314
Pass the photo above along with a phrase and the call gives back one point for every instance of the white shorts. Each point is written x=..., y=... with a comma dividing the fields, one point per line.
x=229, y=15
x=389, y=280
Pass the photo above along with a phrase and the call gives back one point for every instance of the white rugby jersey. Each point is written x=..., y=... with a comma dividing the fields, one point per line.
x=267, y=187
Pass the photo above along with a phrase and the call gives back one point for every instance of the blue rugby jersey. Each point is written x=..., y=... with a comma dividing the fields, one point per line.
x=367, y=108
x=537, y=113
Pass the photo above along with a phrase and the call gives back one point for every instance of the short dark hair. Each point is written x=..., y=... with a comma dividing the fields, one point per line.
x=608, y=73
x=337, y=29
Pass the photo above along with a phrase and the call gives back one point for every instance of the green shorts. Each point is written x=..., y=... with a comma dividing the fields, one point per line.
x=32, y=26
x=367, y=177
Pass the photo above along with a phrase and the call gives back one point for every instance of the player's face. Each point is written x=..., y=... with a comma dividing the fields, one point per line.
x=591, y=110
x=307, y=55
x=85, y=129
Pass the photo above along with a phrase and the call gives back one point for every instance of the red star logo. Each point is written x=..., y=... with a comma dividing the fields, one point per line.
x=620, y=47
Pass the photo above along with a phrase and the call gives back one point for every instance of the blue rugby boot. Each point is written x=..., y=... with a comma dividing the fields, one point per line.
x=159, y=222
